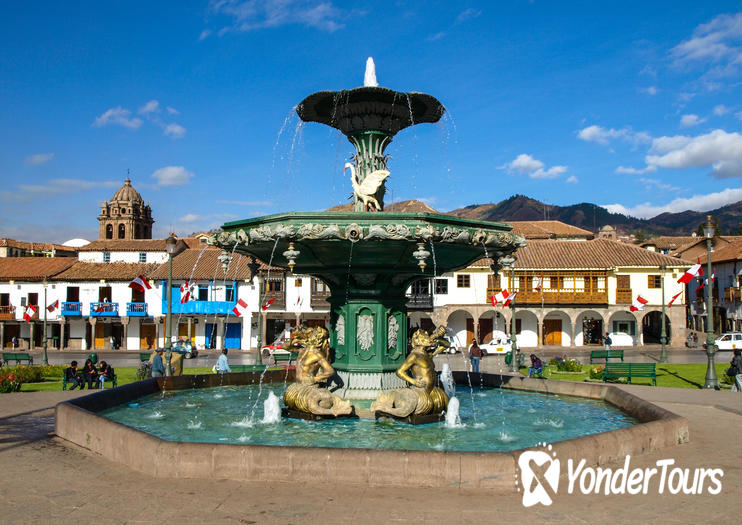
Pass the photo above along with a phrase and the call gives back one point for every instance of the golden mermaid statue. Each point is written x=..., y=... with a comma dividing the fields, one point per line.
x=309, y=393
x=422, y=396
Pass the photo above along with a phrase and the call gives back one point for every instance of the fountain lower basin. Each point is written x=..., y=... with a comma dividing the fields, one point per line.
x=80, y=422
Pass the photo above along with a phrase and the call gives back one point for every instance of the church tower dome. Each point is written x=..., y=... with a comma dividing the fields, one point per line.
x=125, y=215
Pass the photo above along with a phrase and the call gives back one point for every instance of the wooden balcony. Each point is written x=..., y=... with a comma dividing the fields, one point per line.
x=563, y=297
x=623, y=296
x=319, y=300
x=278, y=304
x=732, y=295
x=7, y=312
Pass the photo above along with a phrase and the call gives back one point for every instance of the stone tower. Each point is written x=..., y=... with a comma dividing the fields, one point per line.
x=125, y=216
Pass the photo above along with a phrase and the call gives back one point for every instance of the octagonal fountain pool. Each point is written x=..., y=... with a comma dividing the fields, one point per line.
x=492, y=419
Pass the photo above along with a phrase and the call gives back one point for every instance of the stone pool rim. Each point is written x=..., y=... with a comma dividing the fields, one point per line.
x=78, y=422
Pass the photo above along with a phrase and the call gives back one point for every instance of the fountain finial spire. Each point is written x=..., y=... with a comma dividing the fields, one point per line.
x=369, y=79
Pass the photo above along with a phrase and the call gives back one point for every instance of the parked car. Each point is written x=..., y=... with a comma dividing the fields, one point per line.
x=729, y=341
x=496, y=346
x=275, y=348
x=186, y=348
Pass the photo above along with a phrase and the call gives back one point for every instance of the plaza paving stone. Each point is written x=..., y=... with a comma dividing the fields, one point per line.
x=46, y=478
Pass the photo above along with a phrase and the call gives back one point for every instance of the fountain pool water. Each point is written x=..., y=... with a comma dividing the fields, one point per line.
x=224, y=414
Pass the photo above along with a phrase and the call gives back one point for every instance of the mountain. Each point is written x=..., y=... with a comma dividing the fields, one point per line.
x=592, y=217
x=411, y=206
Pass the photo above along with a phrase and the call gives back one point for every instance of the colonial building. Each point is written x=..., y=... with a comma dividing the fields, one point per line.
x=125, y=216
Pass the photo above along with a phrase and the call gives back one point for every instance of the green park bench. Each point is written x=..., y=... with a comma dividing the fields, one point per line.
x=285, y=359
x=65, y=382
x=606, y=354
x=629, y=370
x=144, y=356
x=18, y=357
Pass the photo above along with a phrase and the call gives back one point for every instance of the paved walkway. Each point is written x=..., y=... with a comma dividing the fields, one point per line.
x=45, y=479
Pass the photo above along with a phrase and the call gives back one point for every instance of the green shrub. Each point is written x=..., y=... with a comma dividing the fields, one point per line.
x=25, y=374
x=563, y=364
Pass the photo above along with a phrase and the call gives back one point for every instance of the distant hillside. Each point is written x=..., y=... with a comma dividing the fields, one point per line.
x=411, y=206
x=592, y=217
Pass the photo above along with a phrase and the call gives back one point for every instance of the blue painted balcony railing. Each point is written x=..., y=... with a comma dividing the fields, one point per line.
x=72, y=309
x=104, y=309
x=136, y=309
x=201, y=307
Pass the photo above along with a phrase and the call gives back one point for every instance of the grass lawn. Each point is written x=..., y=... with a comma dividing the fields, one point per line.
x=679, y=376
x=672, y=375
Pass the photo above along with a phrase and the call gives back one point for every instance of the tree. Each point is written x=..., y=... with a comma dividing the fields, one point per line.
x=640, y=237
x=717, y=228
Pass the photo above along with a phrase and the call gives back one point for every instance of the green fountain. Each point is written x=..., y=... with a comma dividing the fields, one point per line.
x=368, y=257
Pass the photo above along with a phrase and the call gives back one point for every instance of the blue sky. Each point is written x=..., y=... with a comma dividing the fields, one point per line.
x=631, y=105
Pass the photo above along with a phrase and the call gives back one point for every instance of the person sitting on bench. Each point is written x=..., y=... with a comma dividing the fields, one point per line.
x=105, y=373
x=73, y=376
x=90, y=374
x=537, y=367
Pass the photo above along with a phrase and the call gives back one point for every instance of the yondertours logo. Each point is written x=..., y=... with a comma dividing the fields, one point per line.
x=540, y=471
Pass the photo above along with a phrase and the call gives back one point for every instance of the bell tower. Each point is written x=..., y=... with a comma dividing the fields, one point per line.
x=125, y=215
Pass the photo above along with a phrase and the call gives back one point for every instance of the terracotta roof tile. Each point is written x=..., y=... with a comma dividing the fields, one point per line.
x=548, y=230
x=33, y=268
x=730, y=252
x=597, y=253
x=116, y=271
x=670, y=242
x=35, y=246
x=209, y=267
x=131, y=245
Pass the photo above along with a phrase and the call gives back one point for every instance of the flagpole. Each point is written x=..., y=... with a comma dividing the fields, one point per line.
x=663, y=332
x=45, y=340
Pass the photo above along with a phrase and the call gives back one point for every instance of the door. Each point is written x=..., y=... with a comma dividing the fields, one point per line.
x=552, y=331
x=469, y=331
x=232, y=336
x=485, y=330
x=210, y=334
x=11, y=331
x=147, y=337
x=100, y=336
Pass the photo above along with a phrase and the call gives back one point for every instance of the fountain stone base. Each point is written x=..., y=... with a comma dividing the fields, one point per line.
x=359, y=385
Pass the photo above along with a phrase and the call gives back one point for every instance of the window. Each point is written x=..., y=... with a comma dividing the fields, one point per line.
x=107, y=257
x=142, y=257
x=441, y=286
x=73, y=294
x=421, y=287
x=4, y=299
x=229, y=293
x=319, y=287
x=653, y=281
x=273, y=285
x=203, y=292
x=297, y=282
x=122, y=231
x=623, y=281
x=109, y=231
x=463, y=280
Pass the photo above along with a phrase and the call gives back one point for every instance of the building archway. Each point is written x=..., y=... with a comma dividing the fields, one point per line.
x=589, y=328
x=460, y=323
x=122, y=231
x=622, y=327
x=492, y=325
x=526, y=328
x=109, y=231
x=652, y=327
x=556, y=329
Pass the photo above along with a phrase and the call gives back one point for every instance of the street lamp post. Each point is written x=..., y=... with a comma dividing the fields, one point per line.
x=663, y=330
x=711, y=381
x=45, y=341
x=171, y=242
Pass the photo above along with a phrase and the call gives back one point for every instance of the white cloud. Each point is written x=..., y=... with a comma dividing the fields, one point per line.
x=204, y=34
x=175, y=130
x=721, y=110
x=634, y=171
x=656, y=183
x=686, y=121
x=717, y=42
x=738, y=115
x=699, y=203
x=603, y=135
x=117, y=116
x=525, y=164
x=572, y=180
x=248, y=15
x=651, y=90
x=467, y=14
x=719, y=150
x=173, y=111
x=191, y=217
x=152, y=106
x=39, y=158
x=53, y=188
x=172, y=176
x=436, y=36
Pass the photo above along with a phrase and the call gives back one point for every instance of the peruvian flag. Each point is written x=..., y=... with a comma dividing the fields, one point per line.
x=240, y=308
x=674, y=297
x=638, y=304
x=53, y=306
x=140, y=284
x=188, y=291
x=540, y=283
x=705, y=281
x=30, y=312
x=690, y=274
x=501, y=297
x=268, y=304
x=510, y=299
